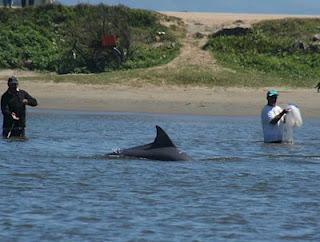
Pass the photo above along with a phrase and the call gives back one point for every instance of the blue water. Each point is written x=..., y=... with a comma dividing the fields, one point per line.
x=56, y=186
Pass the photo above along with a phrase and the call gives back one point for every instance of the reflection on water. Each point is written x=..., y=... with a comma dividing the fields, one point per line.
x=58, y=186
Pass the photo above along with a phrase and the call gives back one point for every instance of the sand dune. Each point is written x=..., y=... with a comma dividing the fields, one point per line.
x=208, y=22
x=168, y=99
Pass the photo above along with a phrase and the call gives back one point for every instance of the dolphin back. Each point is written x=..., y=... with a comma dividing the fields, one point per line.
x=162, y=148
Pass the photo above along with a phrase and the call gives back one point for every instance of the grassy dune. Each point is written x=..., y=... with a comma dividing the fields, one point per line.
x=267, y=56
x=279, y=50
x=67, y=39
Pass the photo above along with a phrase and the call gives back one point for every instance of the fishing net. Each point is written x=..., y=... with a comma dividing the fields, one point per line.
x=293, y=119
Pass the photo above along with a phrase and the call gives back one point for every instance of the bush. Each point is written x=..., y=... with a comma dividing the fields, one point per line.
x=67, y=39
x=270, y=47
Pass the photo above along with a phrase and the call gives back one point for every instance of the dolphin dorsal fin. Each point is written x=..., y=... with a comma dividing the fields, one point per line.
x=162, y=139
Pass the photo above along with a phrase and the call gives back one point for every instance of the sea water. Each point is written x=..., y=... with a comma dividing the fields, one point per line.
x=57, y=185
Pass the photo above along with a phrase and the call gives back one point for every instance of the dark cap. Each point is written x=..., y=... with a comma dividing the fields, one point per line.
x=12, y=80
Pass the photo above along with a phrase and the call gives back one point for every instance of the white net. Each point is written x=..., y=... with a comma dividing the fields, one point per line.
x=293, y=119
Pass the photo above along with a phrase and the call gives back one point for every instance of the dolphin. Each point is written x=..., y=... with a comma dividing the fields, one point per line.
x=162, y=148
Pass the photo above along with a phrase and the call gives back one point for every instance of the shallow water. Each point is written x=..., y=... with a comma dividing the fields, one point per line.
x=56, y=186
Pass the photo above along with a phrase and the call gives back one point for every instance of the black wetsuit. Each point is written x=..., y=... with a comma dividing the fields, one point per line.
x=318, y=86
x=12, y=102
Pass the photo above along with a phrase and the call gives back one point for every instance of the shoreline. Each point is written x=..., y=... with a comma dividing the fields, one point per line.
x=189, y=100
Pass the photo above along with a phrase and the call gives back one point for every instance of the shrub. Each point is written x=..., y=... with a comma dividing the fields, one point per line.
x=270, y=47
x=68, y=38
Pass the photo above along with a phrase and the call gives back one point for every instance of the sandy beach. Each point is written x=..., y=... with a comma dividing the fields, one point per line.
x=165, y=99
x=208, y=22
x=169, y=99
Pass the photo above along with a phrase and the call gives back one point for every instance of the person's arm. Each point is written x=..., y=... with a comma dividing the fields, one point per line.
x=4, y=106
x=29, y=100
x=276, y=119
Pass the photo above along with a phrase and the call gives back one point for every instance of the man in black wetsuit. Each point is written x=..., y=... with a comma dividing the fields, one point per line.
x=13, y=107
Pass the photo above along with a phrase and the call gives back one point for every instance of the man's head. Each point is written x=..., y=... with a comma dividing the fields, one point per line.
x=12, y=83
x=272, y=96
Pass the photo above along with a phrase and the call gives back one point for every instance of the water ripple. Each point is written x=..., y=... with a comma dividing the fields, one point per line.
x=60, y=187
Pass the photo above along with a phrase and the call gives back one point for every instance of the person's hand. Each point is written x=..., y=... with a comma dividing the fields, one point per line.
x=25, y=101
x=14, y=116
x=286, y=110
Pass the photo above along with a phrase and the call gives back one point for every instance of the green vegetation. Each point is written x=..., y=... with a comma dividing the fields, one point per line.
x=67, y=39
x=282, y=50
x=186, y=75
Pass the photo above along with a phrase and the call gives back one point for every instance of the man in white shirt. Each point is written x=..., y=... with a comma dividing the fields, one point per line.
x=272, y=118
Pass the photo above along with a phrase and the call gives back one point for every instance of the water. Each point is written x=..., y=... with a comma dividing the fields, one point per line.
x=58, y=187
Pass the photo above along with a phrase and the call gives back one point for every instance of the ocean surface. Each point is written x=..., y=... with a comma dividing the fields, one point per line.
x=58, y=186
